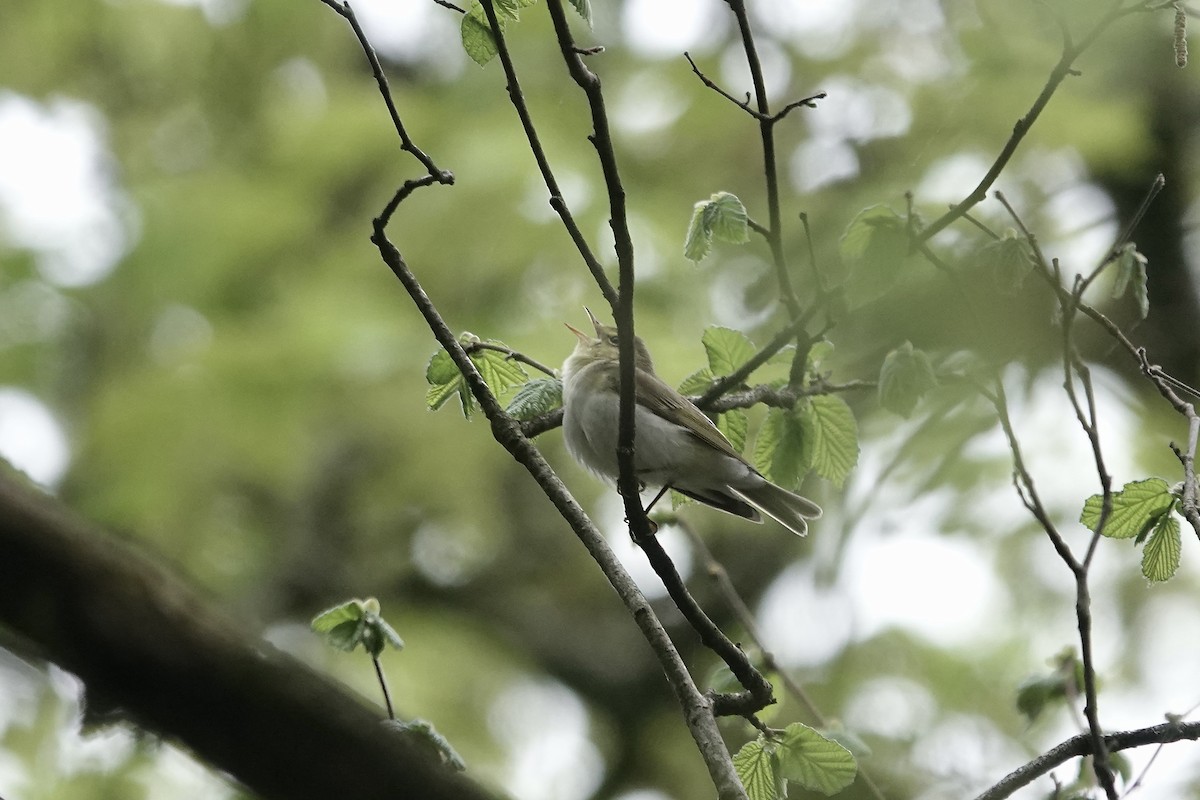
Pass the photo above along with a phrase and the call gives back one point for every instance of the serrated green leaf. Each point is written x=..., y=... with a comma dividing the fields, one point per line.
x=697, y=383
x=445, y=381
x=872, y=249
x=498, y=371
x=441, y=369
x=1009, y=260
x=1160, y=556
x=477, y=38
x=584, y=9
x=780, y=451
x=727, y=349
x=538, y=396
x=722, y=217
x=1134, y=509
x=728, y=220
x=833, y=439
x=698, y=241
x=907, y=374
x=813, y=761
x=758, y=768
x=734, y=424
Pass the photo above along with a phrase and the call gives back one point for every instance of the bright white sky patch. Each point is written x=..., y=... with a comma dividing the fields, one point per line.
x=545, y=727
x=30, y=438
x=57, y=197
x=933, y=585
x=666, y=28
x=415, y=31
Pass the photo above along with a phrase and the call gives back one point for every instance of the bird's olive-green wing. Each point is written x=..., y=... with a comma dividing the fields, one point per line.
x=664, y=401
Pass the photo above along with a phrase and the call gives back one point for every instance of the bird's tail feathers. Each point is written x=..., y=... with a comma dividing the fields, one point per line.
x=787, y=508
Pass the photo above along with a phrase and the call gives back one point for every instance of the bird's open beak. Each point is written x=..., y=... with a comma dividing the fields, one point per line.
x=583, y=337
x=592, y=317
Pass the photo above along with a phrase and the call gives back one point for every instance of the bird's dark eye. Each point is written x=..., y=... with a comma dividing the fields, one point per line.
x=612, y=340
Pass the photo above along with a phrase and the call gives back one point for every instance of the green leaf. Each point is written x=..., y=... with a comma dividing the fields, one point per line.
x=728, y=350
x=445, y=381
x=477, y=37
x=722, y=217
x=584, y=9
x=698, y=241
x=537, y=397
x=330, y=618
x=815, y=762
x=872, y=249
x=379, y=634
x=1135, y=508
x=1160, y=556
x=734, y=424
x=780, y=451
x=729, y=221
x=1009, y=259
x=758, y=768
x=833, y=437
x=476, y=33
x=1036, y=693
x=1131, y=270
x=499, y=371
x=422, y=733
x=343, y=625
x=697, y=383
x=356, y=622
x=907, y=374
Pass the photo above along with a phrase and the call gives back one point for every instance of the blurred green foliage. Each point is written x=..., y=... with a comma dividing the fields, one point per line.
x=245, y=391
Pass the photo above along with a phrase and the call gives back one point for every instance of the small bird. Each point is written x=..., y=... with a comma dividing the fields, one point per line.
x=675, y=445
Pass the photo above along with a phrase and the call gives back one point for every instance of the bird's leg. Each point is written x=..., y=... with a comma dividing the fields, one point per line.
x=657, y=497
x=653, y=524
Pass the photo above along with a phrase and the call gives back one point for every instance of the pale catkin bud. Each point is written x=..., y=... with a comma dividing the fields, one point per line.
x=1181, y=53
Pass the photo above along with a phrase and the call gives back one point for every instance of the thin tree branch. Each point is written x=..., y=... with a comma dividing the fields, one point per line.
x=513, y=355
x=557, y=201
x=745, y=617
x=1058, y=74
x=697, y=709
x=1081, y=745
x=445, y=177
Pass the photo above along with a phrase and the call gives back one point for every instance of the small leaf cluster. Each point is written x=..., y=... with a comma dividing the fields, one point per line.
x=477, y=38
x=498, y=370
x=354, y=623
x=818, y=434
x=721, y=217
x=1142, y=511
x=797, y=754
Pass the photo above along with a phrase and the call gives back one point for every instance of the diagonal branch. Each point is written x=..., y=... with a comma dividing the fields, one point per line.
x=1064, y=67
